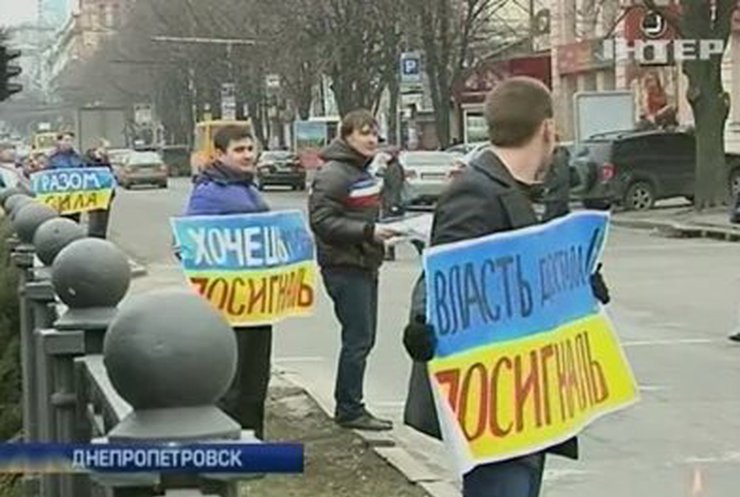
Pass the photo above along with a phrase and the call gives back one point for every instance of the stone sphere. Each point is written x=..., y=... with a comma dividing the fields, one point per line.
x=55, y=234
x=29, y=217
x=6, y=193
x=91, y=273
x=170, y=349
x=15, y=202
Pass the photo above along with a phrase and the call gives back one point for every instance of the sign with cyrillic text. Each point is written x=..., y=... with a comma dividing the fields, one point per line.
x=73, y=190
x=257, y=269
x=526, y=357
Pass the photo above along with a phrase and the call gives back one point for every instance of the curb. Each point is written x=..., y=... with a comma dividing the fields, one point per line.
x=382, y=443
x=681, y=230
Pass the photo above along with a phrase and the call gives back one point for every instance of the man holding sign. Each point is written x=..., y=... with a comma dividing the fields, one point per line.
x=216, y=235
x=492, y=196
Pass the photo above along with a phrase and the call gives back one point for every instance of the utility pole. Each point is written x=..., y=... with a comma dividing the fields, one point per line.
x=228, y=89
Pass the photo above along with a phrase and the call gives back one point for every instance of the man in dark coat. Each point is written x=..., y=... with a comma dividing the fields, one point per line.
x=493, y=195
x=344, y=206
x=557, y=186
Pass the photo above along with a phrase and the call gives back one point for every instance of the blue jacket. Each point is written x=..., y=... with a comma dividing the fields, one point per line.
x=220, y=191
x=65, y=159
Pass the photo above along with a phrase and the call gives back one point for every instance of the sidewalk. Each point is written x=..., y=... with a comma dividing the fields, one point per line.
x=338, y=462
x=682, y=222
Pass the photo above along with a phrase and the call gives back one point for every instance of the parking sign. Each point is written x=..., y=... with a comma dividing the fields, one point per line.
x=410, y=68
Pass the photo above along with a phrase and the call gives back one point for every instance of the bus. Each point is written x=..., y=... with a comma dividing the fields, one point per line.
x=204, y=152
x=44, y=142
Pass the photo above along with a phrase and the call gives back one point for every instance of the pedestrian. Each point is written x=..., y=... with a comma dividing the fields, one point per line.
x=98, y=219
x=223, y=188
x=557, y=186
x=65, y=156
x=492, y=195
x=392, y=192
x=344, y=205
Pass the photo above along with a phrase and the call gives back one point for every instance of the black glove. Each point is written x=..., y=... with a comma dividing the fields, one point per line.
x=419, y=340
x=598, y=286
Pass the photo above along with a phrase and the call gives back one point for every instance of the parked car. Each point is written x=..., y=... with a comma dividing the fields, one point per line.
x=427, y=174
x=141, y=168
x=465, y=148
x=280, y=168
x=637, y=168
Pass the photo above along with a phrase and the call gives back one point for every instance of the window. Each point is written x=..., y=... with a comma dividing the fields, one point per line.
x=144, y=158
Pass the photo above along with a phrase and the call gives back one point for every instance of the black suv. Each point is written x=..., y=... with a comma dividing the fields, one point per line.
x=636, y=168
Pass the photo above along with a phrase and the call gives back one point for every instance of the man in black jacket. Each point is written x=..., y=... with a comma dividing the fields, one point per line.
x=493, y=195
x=344, y=204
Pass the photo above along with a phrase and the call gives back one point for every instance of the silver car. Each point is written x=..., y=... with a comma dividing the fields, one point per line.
x=427, y=174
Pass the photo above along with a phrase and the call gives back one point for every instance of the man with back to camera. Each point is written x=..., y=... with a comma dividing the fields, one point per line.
x=493, y=195
x=344, y=205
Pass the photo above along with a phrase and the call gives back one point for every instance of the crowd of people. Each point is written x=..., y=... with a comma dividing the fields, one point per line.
x=357, y=187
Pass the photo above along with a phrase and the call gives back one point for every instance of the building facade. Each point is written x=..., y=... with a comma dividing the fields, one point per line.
x=90, y=22
x=580, y=63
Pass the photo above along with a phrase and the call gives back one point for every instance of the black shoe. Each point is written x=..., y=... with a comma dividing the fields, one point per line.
x=735, y=337
x=367, y=422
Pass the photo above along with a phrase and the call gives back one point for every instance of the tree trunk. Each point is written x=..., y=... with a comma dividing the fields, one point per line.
x=712, y=173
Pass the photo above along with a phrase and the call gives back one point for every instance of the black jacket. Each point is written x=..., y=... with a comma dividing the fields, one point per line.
x=393, y=183
x=485, y=199
x=558, y=185
x=344, y=204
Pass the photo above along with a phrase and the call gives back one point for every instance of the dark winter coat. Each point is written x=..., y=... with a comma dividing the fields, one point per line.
x=485, y=199
x=65, y=159
x=393, y=183
x=344, y=205
x=557, y=196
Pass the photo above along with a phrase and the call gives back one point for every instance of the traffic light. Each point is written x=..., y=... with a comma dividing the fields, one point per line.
x=8, y=71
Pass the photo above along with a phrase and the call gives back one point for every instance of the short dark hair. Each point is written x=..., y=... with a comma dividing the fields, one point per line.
x=231, y=133
x=515, y=109
x=62, y=134
x=357, y=119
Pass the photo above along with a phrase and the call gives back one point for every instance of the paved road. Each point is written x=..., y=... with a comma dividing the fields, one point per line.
x=675, y=301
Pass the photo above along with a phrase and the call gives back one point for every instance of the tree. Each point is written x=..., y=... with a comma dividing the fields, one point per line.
x=710, y=103
x=359, y=42
x=447, y=29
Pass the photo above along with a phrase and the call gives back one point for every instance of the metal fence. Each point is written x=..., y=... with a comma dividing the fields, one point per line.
x=95, y=369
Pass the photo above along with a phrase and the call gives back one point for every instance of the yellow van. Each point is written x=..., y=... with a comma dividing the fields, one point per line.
x=44, y=142
x=204, y=151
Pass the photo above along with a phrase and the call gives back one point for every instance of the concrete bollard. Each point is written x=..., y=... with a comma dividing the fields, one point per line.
x=15, y=202
x=90, y=276
x=6, y=193
x=29, y=217
x=53, y=235
x=172, y=356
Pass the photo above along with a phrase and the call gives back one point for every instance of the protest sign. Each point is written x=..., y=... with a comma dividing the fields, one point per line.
x=526, y=358
x=415, y=226
x=256, y=269
x=74, y=190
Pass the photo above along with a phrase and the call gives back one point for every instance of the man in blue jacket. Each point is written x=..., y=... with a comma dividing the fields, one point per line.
x=227, y=187
x=65, y=156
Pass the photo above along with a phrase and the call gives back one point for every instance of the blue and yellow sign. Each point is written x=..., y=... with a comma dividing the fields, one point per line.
x=255, y=268
x=74, y=190
x=526, y=357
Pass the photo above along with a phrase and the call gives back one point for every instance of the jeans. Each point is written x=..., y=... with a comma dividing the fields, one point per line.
x=521, y=477
x=355, y=297
x=245, y=399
